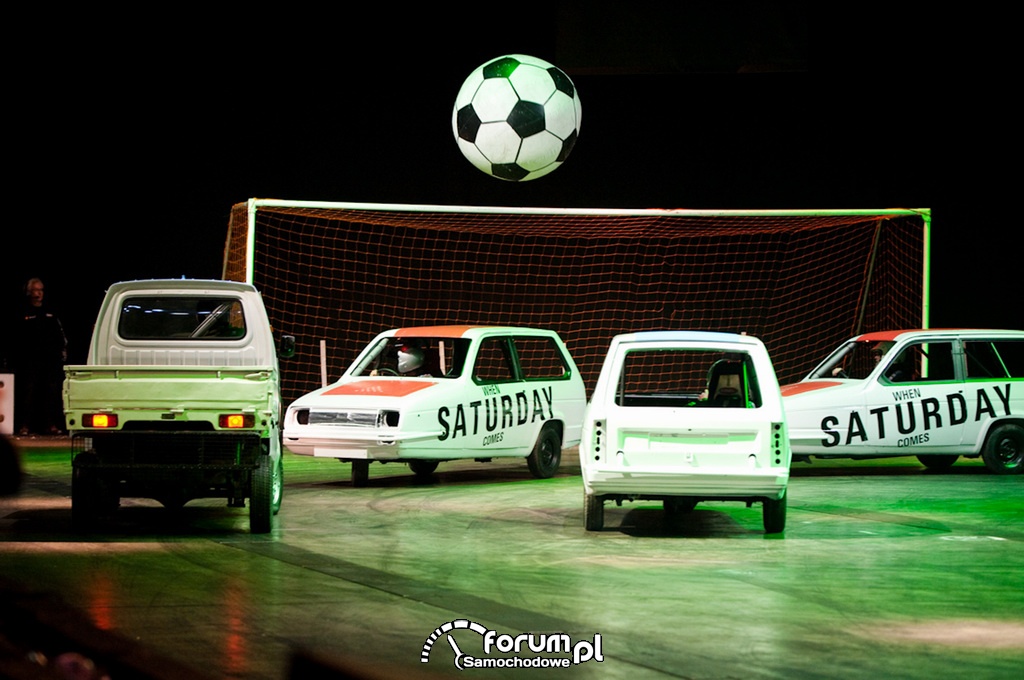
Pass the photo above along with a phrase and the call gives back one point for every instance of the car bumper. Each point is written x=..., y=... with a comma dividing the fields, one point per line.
x=369, y=445
x=705, y=483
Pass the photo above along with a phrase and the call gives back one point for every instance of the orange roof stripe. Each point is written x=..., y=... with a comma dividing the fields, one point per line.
x=433, y=331
x=801, y=387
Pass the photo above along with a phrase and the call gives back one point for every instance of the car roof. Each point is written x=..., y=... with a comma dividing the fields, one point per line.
x=709, y=337
x=892, y=336
x=463, y=331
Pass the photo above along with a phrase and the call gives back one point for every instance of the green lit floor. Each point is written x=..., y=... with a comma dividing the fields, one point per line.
x=886, y=570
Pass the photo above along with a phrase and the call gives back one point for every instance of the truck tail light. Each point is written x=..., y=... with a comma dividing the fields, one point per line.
x=235, y=421
x=99, y=420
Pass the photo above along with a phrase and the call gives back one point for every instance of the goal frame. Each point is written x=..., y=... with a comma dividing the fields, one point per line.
x=244, y=217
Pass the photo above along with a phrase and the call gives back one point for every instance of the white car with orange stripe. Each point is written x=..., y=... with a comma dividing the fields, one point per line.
x=429, y=394
x=934, y=394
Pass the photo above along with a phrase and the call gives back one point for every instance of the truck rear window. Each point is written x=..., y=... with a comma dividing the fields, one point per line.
x=181, y=317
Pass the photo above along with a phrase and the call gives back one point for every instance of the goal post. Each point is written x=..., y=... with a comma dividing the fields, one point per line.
x=336, y=274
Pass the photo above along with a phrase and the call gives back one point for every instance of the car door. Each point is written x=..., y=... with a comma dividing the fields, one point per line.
x=916, y=403
x=502, y=411
x=552, y=385
x=993, y=368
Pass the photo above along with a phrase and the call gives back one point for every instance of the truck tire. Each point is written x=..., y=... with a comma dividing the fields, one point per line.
x=85, y=492
x=546, y=456
x=1003, y=452
x=261, y=498
x=277, y=487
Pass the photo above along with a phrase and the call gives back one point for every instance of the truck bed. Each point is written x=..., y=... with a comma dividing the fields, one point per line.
x=160, y=388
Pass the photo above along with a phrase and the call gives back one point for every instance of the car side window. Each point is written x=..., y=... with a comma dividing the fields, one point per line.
x=494, y=362
x=994, y=359
x=540, y=358
x=923, y=362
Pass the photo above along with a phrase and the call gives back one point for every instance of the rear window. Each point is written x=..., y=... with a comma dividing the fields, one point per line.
x=685, y=377
x=494, y=361
x=994, y=359
x=540, y=358
x=181, y=318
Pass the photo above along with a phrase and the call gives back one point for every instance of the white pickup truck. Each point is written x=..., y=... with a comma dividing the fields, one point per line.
x=179, y=399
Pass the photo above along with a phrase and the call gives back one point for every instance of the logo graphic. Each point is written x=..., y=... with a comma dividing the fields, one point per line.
x=562, y=651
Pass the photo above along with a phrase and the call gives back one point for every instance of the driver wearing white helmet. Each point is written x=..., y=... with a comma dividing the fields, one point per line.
x=407, y=359
x=411, y=360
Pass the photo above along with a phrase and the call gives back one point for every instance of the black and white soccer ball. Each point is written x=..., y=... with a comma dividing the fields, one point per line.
x=517, y=117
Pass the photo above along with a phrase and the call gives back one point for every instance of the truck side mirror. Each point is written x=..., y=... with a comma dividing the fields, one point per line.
x=286, y=348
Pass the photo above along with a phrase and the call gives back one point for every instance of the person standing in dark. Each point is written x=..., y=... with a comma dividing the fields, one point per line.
x=38, y=354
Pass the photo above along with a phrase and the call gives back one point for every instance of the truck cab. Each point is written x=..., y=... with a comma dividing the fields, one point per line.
x=179, y=399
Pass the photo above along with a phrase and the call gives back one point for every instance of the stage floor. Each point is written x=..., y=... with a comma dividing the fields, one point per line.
x=885, y=570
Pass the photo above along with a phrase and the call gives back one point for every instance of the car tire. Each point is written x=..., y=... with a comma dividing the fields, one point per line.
x=423, y=468
x=774, y=514
x=941, y=462
x=360, y=473
x=593, y=512
x=546, y=456
x=1003, y=452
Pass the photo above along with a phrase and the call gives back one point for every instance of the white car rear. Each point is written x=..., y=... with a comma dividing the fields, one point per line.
x=685, y=417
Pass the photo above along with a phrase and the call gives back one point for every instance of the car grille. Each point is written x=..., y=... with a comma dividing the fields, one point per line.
x=369, y=419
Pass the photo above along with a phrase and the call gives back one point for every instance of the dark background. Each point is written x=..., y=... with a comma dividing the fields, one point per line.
x=132, y=143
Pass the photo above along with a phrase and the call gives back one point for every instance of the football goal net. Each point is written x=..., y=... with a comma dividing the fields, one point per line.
x=336, y=274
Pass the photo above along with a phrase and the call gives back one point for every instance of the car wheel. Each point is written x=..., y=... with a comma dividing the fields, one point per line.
x=546, y=455
x=1003, y=452
x=938, y=462
x=260, y=497
x=360, y=473
x=774, y=514
x=423, y=468
x=593, y=512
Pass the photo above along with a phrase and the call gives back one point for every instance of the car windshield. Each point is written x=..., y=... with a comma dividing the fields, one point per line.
x=853, y=360
x=417, y=357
